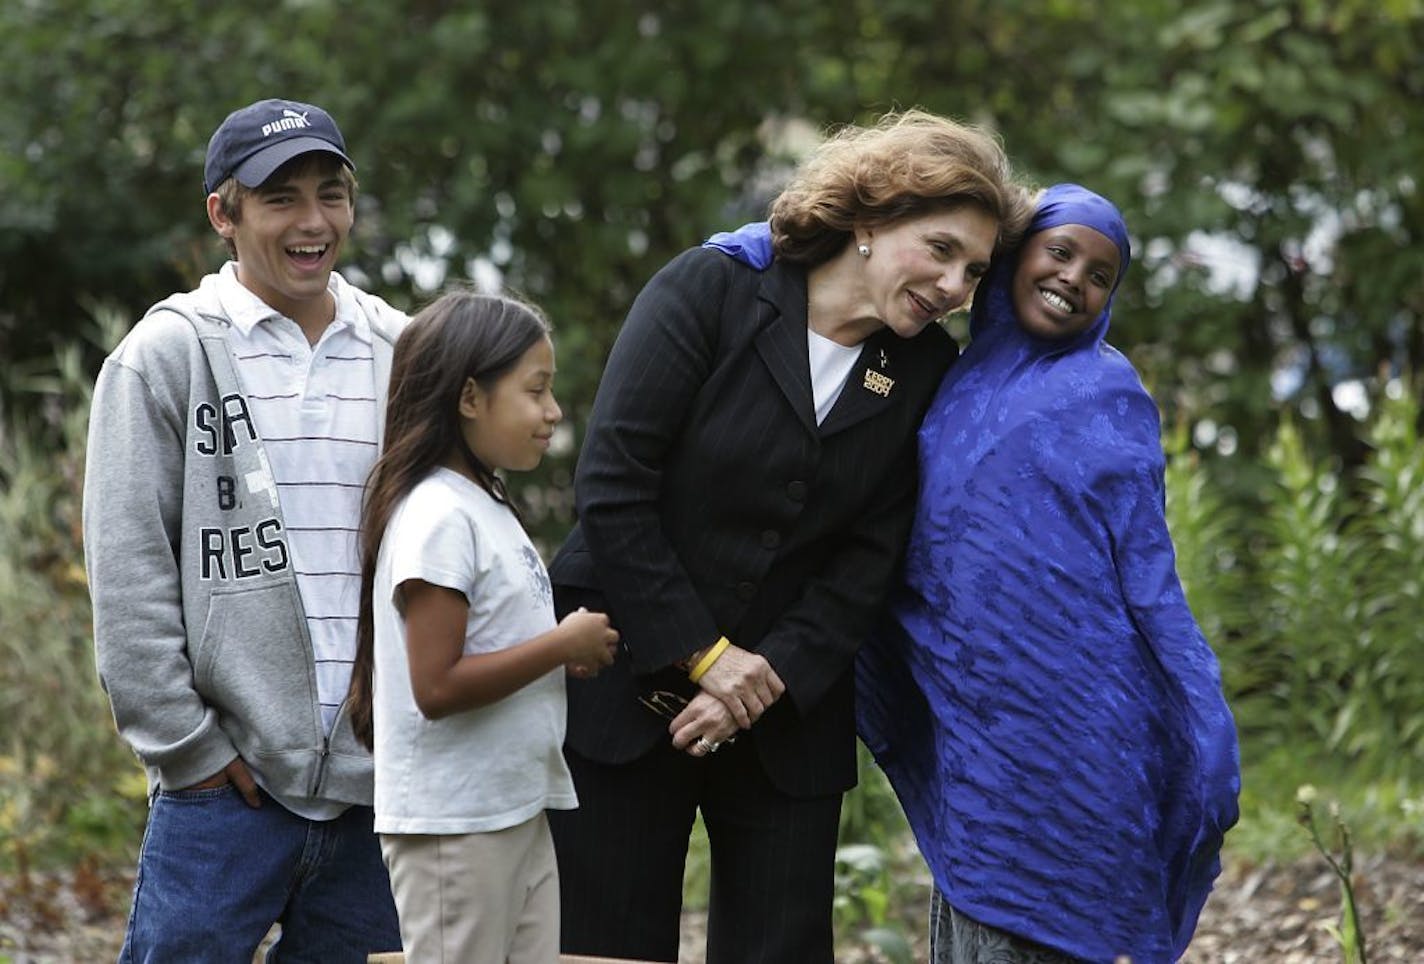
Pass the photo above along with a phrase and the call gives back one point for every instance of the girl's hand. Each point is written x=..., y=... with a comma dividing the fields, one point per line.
x=592, y=642
x=704, y=722
x=744, y=682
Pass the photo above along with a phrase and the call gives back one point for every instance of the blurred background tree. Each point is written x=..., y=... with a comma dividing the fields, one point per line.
x=1265, y=155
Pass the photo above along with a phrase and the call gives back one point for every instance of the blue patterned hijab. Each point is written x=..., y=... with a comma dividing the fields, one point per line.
x=1061, y=204
x=1039, y=694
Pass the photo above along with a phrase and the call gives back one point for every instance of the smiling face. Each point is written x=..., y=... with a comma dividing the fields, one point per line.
x=288, y=235
x=1064, y=278
x=510, y=425
x=923, y=267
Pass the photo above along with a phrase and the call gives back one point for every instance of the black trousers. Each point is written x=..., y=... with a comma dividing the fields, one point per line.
x=622, y=854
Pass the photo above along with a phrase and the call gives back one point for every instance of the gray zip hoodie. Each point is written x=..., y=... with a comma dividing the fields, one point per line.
x=199, y=633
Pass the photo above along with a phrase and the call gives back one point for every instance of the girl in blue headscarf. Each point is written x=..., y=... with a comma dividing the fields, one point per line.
x=1040, y=695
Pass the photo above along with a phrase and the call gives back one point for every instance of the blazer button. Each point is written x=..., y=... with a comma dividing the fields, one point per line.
x=770, y=539
x=745, y=591
x=796, y=491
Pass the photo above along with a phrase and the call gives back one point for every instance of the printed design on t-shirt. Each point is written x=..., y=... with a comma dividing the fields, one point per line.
x=538, y=576
x=237, y=552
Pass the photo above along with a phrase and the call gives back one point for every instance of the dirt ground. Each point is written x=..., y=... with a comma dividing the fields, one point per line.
x=1258, y=914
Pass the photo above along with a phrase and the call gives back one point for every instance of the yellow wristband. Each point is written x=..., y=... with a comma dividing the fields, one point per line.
x=705, y=663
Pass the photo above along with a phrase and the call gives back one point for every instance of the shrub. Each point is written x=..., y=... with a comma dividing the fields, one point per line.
x=1311, y=592
x=68, y=786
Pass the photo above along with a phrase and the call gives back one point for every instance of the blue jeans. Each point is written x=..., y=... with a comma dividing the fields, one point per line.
x=214, y=874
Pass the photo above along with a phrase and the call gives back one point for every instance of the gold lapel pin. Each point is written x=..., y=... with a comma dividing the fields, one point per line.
x=878, y=383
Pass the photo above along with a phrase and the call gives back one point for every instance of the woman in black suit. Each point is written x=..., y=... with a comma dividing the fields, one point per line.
x=744, y=490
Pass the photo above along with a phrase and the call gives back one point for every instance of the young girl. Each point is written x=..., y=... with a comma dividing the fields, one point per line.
x=1040, y=696
x=458, y=685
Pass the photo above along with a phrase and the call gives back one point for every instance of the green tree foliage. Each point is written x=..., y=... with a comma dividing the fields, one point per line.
x=1262, y=152
x=1264, y=156
x=1283, y=127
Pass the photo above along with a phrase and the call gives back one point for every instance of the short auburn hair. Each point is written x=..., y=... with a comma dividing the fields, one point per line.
x=907, y=164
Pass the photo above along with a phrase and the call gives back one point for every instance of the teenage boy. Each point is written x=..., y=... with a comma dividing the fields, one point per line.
x=230, y=436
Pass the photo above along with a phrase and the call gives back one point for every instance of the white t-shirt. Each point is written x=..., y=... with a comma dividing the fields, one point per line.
x=488, y=768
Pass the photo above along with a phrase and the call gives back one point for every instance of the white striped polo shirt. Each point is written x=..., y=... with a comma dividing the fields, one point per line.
x=314, y=407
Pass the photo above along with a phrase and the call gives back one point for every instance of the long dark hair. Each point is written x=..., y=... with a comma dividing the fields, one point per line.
x=459, y=336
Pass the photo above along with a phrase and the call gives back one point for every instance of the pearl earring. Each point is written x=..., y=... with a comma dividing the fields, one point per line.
x=864, y=250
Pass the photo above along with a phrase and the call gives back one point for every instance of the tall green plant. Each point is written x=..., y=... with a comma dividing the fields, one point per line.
x=1386, y=699
x=1308, y=605
x=1326, y=659
x=879, y=871
x=69, y=787
x=1349, y=933
x=1206, y=532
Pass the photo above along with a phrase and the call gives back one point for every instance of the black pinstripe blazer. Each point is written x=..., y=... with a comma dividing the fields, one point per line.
x=710, y=503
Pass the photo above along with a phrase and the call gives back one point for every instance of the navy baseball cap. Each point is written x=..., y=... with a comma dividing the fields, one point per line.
x=257, y=139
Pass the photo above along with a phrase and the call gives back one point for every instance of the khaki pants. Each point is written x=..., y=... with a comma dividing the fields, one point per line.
x=477, y=897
